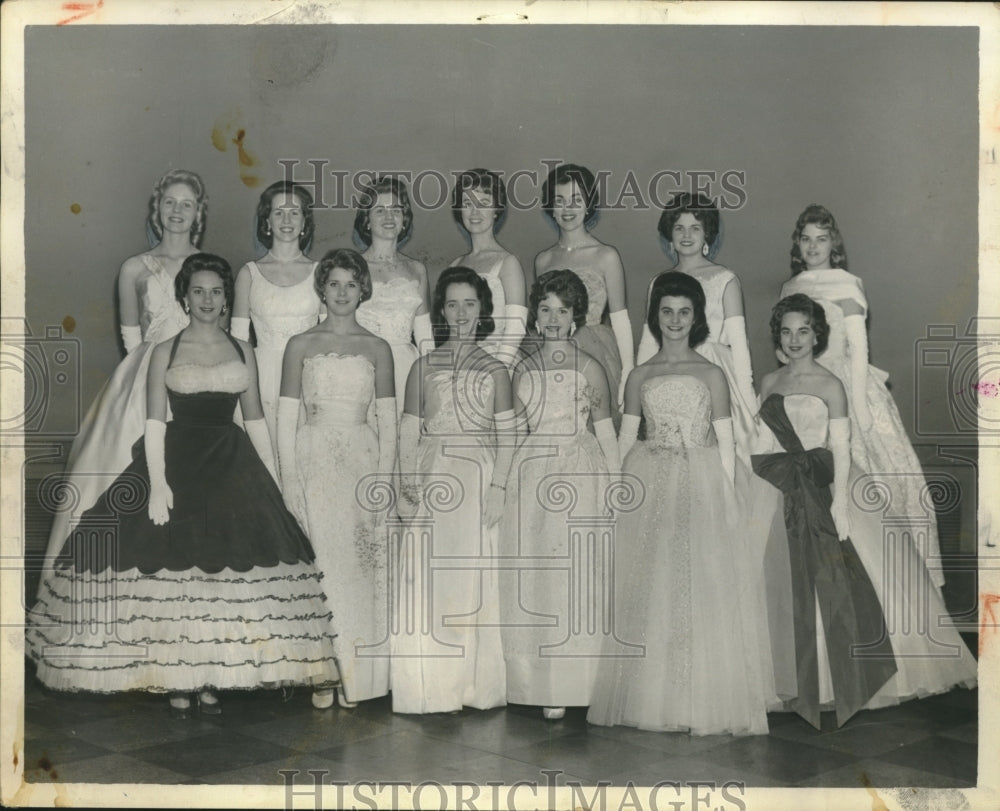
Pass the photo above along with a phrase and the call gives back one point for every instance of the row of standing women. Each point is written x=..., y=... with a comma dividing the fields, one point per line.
x=685, y=564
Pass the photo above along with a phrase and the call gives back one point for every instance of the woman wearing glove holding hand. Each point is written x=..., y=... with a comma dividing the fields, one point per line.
x=209, y=582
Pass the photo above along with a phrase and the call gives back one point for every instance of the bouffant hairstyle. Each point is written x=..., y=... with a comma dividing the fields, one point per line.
x=585, y=182
x=567, y=287
x=699, y=206
x=347, y=259
x=821, y=217
x=483, y=180
x=383, y=184
x=675, y=283
x=264, y=205
x=812, y=310
x=461, y=275
x=204, y=261
x=194, y=182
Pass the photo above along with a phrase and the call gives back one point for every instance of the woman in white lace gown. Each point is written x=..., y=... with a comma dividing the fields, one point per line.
x=690, y=225
x=276, y=292
x=479, y=205
x=455, y=449
x=150, y=313
x=570, y=197
x=853, y=623
x=684, y=654
x=397, y=310
x=329, y=464
x=552, y=631
x=879, y=444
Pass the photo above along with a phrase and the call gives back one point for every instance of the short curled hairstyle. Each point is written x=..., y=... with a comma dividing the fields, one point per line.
x=204, y=261
x=821, y=217
x=262, y=227
x=461, y=275
x=699, y=206
x=193, y=182
x=383, y=184
x=483, y=180
x=346, y=259
x=585, y=181
x=812, y=310
x=675, y=283
x=567, y=287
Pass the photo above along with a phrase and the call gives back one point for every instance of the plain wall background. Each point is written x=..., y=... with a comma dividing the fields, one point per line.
x=878, y=124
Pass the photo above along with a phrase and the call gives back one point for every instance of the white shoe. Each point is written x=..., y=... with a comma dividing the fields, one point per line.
x=343, y=702
x=553, y=713
x=323, y=699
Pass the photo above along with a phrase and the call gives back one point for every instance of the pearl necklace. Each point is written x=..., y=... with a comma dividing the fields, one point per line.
x=294, y=259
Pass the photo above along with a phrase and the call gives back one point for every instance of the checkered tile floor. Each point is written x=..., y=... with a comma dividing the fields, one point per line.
x=132, y=738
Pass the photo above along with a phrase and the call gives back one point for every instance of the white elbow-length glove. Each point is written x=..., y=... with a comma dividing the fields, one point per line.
x=727, y=446
x=260, y=438
x=627, y=434
x=505, y=426
x=622, y=329
x=423, y=334
x=161, y=497
x=385, y=417
x=131, y=338
x=734, y=334
x=291, y=486
x=604, y=430
x=239, y=327
x=840, y=444
x=857, y=344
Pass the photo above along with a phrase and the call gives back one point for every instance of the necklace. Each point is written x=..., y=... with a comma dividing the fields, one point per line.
x=389, y=263
x=295, y=258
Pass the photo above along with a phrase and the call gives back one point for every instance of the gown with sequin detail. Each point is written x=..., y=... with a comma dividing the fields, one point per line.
x=446, y=648
x=337, y=459
x=717, y=350
x=684, y=650
x=884, y=450
x=929, y=655
x=555, y=512
x=103, y=446
x=389, y=313
x=223, y=595
x=278, y=312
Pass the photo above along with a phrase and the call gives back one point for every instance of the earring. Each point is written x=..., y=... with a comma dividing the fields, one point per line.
x=572, y=329
x=704, y=249
x=187, y=309
x=223, y=309
x=267, y=229
x=537, y=328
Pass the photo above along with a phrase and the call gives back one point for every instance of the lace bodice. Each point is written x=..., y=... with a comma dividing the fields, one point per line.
x=678, y=411
x=556, y=401
x=161, y=316
x=389, y=312
x=714, y=284
x=231, y=377
x=597, y=293
x=337, y=389
x=278, y=312
x=458, y=402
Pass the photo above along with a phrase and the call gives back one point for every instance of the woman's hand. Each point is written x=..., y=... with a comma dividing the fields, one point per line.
x=493, y=506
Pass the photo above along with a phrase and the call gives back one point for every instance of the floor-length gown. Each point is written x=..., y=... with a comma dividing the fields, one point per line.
x=598, y=339
x=389, y=314
x=223, y=595
x=337, y=458
x=556, y=513
x=103, y=446
x=679, y=585
x=824, y=596
x=447, y=650
x=278, y=312
x=883, y=450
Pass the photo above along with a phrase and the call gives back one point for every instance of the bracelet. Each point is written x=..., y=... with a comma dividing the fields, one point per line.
x=498, y=486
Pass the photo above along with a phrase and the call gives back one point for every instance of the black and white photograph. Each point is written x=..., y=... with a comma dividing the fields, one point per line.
x=523, y=404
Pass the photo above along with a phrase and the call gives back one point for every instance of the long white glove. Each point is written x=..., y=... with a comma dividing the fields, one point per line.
x=385, y=417
x=734, y=333
x=161, y=497
x=505, y=426
x=291, y=487
x=240, y=328
x=423, y=334
x=622, y=329
x=131, y=338
x=840, y=444
x=260, y=438
x=647, y=346
x=604, y=430
x=410, y=493
x=627, y=434
x=514, y=330
x=857, y=343
x=727, y=446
